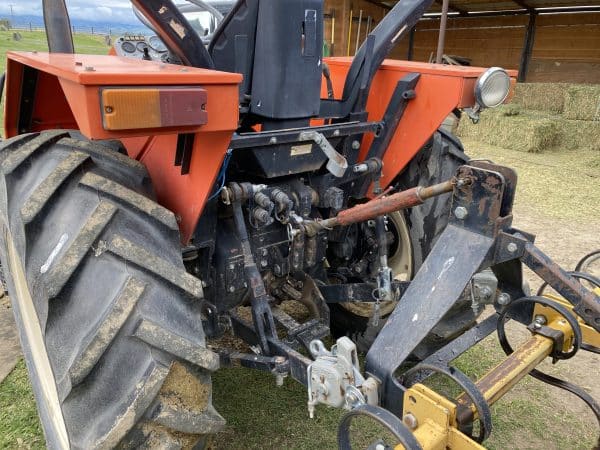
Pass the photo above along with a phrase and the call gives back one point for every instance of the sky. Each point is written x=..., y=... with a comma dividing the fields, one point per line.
x=118, y=11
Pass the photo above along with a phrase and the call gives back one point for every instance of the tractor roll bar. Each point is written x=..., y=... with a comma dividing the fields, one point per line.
x=176, y=32
x=58, y=26
x=167, y=20
x=379, y=43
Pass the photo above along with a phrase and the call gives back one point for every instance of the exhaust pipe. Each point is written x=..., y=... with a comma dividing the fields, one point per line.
x=58, y=26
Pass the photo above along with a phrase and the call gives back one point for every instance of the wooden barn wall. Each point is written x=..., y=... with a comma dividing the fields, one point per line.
x=490, y=41
x=566, y=47
x=341, y=10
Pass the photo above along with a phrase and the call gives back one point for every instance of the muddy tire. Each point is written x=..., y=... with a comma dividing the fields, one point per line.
x=109, y=320
x=436, y=162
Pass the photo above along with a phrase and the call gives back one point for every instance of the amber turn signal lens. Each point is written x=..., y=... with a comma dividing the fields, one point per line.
x=131, y=108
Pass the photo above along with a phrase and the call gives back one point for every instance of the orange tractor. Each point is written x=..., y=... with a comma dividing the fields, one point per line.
x=150, y=197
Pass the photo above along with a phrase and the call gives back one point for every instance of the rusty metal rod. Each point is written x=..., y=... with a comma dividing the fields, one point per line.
x=385, y=205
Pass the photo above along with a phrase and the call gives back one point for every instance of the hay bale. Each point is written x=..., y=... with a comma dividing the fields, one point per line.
x=540, y=96
x=582, y=102
x=526, y=132
x=579, y=134
x=511, y=109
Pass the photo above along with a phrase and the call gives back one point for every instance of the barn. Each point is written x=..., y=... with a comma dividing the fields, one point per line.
x=545, y=40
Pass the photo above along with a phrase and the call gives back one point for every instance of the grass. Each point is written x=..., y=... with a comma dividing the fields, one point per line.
x=555, y=183
x=19, y=424
x=261, y=416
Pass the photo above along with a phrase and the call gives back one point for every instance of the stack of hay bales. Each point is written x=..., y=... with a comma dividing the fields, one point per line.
x=542, y=116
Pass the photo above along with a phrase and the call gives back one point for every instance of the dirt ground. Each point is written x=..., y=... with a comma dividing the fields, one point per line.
x=9, y=341
x=566, y=242
x=558, y=202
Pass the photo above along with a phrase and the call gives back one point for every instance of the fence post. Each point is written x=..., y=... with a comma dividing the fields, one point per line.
x=30, y=28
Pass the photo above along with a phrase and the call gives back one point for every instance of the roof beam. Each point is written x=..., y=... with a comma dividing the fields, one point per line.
x=452, y=7
x=521, y=12
x=527, y=48
x=523, y=4
x=380, y=4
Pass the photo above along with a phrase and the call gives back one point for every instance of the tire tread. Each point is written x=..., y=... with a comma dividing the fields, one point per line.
x=126, y=236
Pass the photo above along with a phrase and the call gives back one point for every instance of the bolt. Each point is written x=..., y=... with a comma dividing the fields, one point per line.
x=264, y=263
x=231, y=289
x=410, y=421
x=512, y=247
x=503, y=299
x=461, y=212
x=89, y=69
x=273, y=140
x=336, y=133
x=108, y=109
x=485, y=292
x=359, y=168
x=355, y=145
x=540, y=320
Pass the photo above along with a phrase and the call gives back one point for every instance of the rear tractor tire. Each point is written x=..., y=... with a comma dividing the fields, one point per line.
x=416, y=230
x=108, y=317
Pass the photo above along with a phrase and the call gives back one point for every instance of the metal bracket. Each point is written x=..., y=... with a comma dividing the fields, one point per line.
x=479, y=235
x=403, y=93
x=334, y=378
x=464, y=248
x=337, y=164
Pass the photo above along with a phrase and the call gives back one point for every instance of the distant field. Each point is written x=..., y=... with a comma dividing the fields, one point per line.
x=36, y=40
